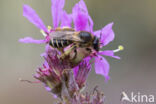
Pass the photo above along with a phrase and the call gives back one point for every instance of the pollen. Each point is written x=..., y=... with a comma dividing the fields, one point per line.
x=120, y=48
x=49, y=28
x=43, y=33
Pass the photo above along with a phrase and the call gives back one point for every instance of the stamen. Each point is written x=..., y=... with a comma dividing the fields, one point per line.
x=43, y=33
x=49, y=28
x=120, y=48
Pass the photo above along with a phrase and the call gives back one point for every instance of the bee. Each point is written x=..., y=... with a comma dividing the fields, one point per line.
x=81, y=43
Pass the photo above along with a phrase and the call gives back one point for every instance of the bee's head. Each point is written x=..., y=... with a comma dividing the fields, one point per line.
x=96, y=44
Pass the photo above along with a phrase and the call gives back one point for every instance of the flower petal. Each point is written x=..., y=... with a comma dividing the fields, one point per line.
x=91, y=23
x=31, y=40
x=97, y=33
x=106, y=35
x=83, y=5
x=102, y=66
x=66, y=19
x=56, y=10
x=32, y=16
x=81, y=18
x=108, y=53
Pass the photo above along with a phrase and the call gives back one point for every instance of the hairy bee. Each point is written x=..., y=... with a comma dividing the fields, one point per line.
x=82, y=43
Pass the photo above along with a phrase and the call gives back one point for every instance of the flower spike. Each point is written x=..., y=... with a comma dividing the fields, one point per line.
x=59, y=76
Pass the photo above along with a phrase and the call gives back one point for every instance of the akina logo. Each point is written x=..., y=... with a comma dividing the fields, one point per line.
x=138, y=98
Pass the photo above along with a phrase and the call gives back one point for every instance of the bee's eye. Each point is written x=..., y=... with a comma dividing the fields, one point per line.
x=96, y=44
x=85, y=36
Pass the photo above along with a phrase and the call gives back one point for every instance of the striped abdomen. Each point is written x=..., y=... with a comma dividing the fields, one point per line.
x=57, y=43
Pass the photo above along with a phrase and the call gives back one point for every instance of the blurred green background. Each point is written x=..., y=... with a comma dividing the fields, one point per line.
x=134, y=26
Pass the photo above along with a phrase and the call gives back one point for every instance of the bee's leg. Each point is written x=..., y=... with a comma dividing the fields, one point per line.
x=61, y=50
x=75, y=54
x=67, y=52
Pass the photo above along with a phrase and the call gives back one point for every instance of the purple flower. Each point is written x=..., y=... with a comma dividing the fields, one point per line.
x=58, y=16
x=82, y=22
x=81, y=18
x=58, y=77
x=51, y=72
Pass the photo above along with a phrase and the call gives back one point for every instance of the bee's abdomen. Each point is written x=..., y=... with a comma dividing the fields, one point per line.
x=56, y=43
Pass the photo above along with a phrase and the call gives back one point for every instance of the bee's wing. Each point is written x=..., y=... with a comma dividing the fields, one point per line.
x=66, y=35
